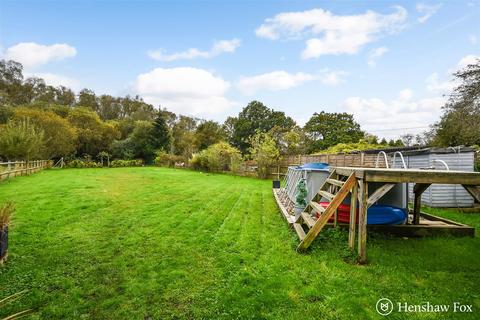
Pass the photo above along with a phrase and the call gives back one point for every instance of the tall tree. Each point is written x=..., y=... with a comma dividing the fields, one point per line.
x=207, y=134
x=328, y=129
x=160, y=134
x=460, y=123
x=256, y=117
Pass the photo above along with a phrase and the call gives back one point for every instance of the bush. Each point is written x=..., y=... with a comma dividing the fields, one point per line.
x=79, y=163
x=165, y=159
x=264, y=151
x=126, y=163
x=218, y=157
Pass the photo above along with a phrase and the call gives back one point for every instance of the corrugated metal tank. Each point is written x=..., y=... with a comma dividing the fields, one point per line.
x=441, y=195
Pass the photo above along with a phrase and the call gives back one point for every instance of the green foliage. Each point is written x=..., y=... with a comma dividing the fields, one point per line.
x=6, y=212
x=460, y=123
x=126, y=163
x=160, y=134
x=83, y=163
x=352, y=147
x=60, y=136
x=264, y=151
x=255, y=117
x=208, y=133
x=165, y=159
x=217, y=158
x=301, y=194
x=325, y=130
x=21, y=140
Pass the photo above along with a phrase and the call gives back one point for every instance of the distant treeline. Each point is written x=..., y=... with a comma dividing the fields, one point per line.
x=41, y=121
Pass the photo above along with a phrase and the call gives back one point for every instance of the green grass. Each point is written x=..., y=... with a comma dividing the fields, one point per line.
x=154, y=243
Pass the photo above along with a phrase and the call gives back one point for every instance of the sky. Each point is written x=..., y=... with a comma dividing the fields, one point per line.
x=389, y=63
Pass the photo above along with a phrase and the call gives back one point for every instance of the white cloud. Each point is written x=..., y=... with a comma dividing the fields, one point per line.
x=435, y=84
x=273, y=81
x=383, y=118
x=219, y=47
x=282, y=80
x=329, y=33
x=447, y=83
x=375, y=54
x=469, y=59
x=56, y=80
x=184, y=90
x=473, y=39
x=427, y=11
x=32, y=54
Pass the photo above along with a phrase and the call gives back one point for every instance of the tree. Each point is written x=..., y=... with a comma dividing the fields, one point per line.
x=460, y=123
x=256, y=117
x=207, y=134
x=21, y=140
x=264, y=151
x=328, y=129
x=183, y=133
x=141, y=139
x=94, y=135
x=160, y=135
x=59, y=135
x=11, y=80
x=88, y=99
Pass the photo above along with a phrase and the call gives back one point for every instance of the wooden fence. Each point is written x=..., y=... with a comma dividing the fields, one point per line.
x=337, y=160
x=12, y=169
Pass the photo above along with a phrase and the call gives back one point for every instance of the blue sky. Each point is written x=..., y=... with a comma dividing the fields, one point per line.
x=387, y=62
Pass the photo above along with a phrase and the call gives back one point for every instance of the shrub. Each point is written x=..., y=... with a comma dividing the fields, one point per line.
x=218, y=157
x=80, y=163
x=126, y=163
x=264, y=151
x=6, y=212
x=165, y=159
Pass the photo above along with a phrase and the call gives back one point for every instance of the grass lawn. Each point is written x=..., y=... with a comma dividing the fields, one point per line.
x=155, y=243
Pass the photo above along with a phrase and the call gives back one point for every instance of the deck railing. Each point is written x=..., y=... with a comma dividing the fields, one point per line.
x=12, y=169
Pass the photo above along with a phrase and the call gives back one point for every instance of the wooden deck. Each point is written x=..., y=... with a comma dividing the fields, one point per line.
x=355, y=181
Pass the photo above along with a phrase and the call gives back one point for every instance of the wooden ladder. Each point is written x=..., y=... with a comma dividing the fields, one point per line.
x=334, y=189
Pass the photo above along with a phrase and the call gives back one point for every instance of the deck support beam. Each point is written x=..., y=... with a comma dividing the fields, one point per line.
x=418, y=189
x=474, y=191
x=353, y=216
x=362, y=222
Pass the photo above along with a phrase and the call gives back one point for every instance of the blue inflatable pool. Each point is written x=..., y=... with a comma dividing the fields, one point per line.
x=382, y=214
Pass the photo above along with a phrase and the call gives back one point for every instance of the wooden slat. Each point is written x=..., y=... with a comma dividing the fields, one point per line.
x=353, y=216
x=362, y=222
x=335, y=182
x=322, y=221
x=380, y=192
x=299, y=230
x=317, y=207
x=309, y=221
x=326, y=195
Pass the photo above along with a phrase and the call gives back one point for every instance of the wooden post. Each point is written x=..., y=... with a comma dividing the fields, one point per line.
x=362, y=159
x=362, y=222
x=418, y=189
x=353, y=216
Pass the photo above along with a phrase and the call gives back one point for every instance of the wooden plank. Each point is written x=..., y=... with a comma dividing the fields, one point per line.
x=380, y=192
x=474, y=191
x=418, y=189
x=309, y=221
x=299, y=230
x=290, y=219
x=335, y=182
x=327, y=195
x=353, y=216
x=317, y=207
x=362, y=222
x=322, y=221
